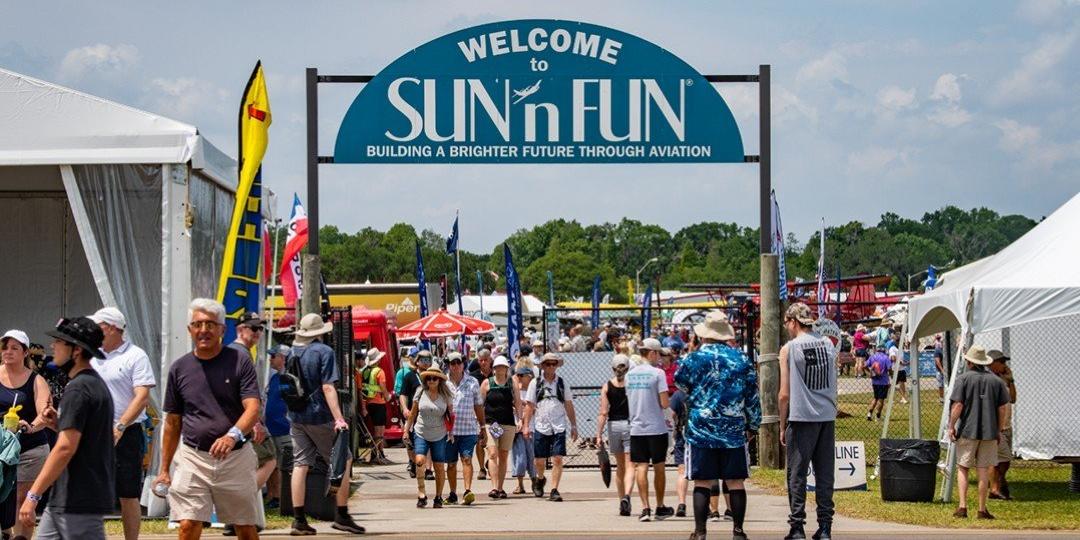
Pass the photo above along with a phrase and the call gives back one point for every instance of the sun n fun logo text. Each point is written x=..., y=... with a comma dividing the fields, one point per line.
x=538, y=91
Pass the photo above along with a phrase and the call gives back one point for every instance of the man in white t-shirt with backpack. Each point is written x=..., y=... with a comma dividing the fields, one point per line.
x=647, y=396
x=548, y=402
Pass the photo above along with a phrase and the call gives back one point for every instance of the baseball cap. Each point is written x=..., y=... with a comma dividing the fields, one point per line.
x=110, y=316
x=651, y=344
x=620, y=360
x=454, y=357
x=250, y=319
x=412, y=351
x=17, y=335
x=800, y=312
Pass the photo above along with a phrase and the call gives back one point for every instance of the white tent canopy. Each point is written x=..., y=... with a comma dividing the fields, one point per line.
x=495, y=306
x=1037, y=277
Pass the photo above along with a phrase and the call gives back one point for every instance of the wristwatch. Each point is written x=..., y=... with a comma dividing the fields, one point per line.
x=120, y=426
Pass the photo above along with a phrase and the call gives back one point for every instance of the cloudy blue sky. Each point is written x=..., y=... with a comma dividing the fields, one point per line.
x=902, y=106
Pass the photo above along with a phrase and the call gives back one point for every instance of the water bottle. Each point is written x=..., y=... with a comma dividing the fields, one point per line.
x=161, y=489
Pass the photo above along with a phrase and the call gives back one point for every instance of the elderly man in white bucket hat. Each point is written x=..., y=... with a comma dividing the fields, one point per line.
x=373, y=400
x=976, y=418
x=313, y=428
x=718, y=377
x=550, y=403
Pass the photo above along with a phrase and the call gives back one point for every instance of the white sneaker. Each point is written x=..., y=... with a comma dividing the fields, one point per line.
x=903, y=401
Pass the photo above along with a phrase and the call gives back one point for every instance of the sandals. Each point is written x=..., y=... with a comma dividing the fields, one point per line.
x=502, y=494
x=520, y=490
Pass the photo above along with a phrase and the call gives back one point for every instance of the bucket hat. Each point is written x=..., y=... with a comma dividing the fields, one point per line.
x=373, y=356
x=977, y=355
x=311, y=327
x=715, y=326
x=81, y=332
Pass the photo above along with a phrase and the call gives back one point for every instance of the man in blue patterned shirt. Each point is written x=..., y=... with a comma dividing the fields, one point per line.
x=724, y=412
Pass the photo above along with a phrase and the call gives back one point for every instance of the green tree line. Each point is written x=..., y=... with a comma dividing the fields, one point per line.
x=706, y=252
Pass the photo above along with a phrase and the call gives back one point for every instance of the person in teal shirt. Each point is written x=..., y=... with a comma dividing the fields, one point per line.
x=408, y=367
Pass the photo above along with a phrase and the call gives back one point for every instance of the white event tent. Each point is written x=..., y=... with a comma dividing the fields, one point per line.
x=494, y=307
x=1025, y=301
x=104, y=204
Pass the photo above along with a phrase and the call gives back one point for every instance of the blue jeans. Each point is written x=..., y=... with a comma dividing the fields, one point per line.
x=463, y=447
x=440, y=449
x=523, y=457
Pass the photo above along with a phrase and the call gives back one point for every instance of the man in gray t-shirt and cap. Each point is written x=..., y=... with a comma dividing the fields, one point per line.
x=808, y=418
x=647, y=397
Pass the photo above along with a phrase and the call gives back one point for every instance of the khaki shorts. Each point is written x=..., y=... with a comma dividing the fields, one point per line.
x=506, y=441
x=202, y=484
x=31, y=462
x=311, y=441
x=1004, y=449
x=972, y=453
x=264, y=451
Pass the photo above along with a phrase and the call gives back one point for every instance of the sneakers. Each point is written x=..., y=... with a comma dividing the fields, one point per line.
x=796, y=533
x=437, y=503
x=869, y=417
x=624, y=506
x=421, y=502
x=714, y=516
x=984, y=514
x=646, y=515
x=664, y=512
x=680, y=511
x=346, y=524
x=698, y=536
x=555, y=497
x=738, y=534
x=301, y=528
x=824, y=532
x=728, y=516
x=230, y=530
x=452, y=499
x=483, y=474
x=538, y=487
x=468, y=498
x=429, y=475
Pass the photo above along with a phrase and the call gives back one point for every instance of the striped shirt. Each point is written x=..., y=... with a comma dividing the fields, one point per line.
x=466, y=398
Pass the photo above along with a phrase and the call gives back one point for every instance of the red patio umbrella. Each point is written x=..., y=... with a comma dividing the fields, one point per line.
x=444, y=324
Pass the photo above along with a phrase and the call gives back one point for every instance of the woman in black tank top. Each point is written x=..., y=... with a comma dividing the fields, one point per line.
x=503, y=407
x=615, y=413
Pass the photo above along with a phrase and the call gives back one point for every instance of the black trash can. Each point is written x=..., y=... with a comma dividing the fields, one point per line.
x=317, y=502
x=908, y=469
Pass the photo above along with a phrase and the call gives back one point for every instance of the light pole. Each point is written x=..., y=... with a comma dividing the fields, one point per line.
x=637, y=277
x=914, y=275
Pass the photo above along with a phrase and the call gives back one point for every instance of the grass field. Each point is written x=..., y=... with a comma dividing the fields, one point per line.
x=853, y=426
x=1040, y=492
x=113, y=527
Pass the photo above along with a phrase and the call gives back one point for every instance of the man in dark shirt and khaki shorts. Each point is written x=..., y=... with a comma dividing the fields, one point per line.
x=975, y=423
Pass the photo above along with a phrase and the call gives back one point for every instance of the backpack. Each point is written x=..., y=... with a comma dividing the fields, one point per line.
x=560, y=392
x=294, y=392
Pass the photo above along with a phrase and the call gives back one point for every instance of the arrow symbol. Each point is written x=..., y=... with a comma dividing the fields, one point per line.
x=850, y=468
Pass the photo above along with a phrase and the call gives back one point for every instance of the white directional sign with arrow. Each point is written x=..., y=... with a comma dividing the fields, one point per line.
x=849, y=468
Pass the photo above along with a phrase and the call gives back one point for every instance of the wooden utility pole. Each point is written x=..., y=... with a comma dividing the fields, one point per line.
x=768, y=364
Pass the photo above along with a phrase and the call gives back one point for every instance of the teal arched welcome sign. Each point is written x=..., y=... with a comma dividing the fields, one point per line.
x=538, y=91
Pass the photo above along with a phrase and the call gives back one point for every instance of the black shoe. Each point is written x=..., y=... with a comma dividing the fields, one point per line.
x=301, y=528
x=437, y=503
x=452, y=499
x=680, y=511
x=728, y=516
x=429, y=475
x=345, y=523
x=624, y=506
x=230, y=530
x=555, y=497
x=646, y=515
x=483, y=474
x=824, y=532
x=538, y=487
x=714, y=516
x=421, y=502
x=274, y=503
x=738, y=534
x=796, y=533
x=697, y=536
x=664, y=512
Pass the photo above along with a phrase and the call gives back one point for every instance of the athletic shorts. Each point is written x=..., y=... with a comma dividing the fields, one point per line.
x=264, y=451
x=881, y=391
x=311, y=440
x=973, y=453
x=717, y=463
x=545, y=446
x=901, y=377
x=648, y=448
x=377, y=414
x=1004, y=449
x=861, y=353
x=129, y=454
x=440, y=449
x=463, y=447
x=678, y=450
x=618, y=436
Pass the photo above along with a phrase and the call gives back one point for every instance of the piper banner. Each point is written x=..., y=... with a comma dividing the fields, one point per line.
x=538, y=91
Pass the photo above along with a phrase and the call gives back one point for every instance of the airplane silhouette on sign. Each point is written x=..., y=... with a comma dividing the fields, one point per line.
x=526, y=92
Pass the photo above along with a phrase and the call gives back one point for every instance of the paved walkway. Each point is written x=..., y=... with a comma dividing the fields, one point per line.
x=385, y=503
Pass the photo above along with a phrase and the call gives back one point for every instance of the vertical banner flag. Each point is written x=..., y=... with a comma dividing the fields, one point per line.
x=421, y=281
x=514, y=325
x=595, y=319
x=821, y=299
x=291, y=276
x=778, y=245
x=442, y=292
x=551, y=288
x=451, y=247
x=480, y=287
x=268, y=253
x=931, y=278
x=238, y=286
x=630, y=292
x=646, y=313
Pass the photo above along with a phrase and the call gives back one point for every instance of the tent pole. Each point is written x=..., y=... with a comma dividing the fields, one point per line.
x=916, y=390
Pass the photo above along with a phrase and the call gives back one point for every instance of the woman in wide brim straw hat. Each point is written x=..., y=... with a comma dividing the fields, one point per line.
x=371, y=379
x=429, y=424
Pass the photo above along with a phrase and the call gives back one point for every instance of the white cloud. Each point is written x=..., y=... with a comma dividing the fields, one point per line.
x=185, y=97
x=893, y=98
x=832, y=66
x=1034, y=76
x=1034, y=151
x=875, y=160
x=99, y=58
x=947, y=88
x=1016, y=136
x=949, y=116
